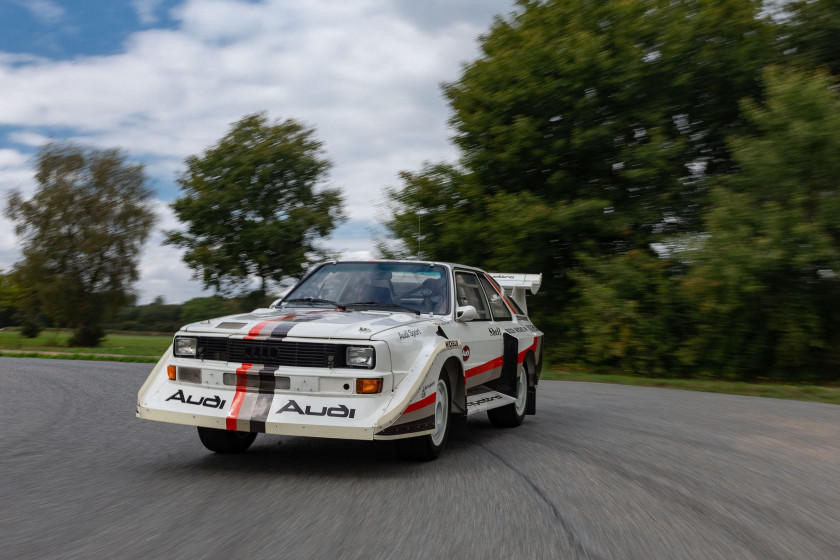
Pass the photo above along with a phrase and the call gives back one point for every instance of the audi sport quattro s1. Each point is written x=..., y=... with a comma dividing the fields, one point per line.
x=374, y=350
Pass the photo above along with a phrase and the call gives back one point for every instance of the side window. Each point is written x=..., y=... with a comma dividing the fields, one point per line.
x=469, y=292
x=497, y=303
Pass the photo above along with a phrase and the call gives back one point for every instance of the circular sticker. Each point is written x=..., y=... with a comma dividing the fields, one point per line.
x=465, y=353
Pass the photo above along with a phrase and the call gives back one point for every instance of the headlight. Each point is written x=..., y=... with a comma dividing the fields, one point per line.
x=360, y=356
x=186, y=346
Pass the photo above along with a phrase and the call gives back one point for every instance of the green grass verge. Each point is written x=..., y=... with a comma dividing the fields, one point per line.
x=815, y=393
x=114, y=347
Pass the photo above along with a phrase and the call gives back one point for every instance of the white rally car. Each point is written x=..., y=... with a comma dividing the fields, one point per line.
x=357, y=350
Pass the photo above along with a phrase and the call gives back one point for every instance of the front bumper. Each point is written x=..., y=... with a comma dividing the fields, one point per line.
x=314, y=404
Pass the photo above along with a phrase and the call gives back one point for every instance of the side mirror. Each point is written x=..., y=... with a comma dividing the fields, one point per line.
x=465, y=314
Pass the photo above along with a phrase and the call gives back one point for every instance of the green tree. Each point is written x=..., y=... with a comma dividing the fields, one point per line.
x=252, y=205
x=765, y=288
x=614, y=100
x=82, y=232
x=630, y=314
x=810, y=34
x=585, y=130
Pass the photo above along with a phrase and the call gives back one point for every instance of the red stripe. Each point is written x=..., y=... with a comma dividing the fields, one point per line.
x=236, y=404
x=255, y=331
x=420, y=404
x=492, y=364
x=521, y=357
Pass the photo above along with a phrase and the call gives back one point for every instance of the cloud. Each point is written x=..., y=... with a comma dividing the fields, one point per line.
x=44, y=11
x=146, y=10
x=364, y=74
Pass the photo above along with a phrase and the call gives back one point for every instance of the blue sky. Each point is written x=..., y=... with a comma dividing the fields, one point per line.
x=164, y=79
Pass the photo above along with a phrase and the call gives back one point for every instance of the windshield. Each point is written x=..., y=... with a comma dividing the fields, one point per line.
x=409, y=287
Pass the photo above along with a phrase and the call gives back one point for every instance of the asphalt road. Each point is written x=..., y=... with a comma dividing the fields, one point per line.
x=602, y=471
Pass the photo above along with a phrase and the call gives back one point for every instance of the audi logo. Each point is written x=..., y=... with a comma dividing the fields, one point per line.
x=261, y=352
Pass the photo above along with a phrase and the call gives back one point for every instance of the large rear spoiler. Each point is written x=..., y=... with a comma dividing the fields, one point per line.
x=516, y=285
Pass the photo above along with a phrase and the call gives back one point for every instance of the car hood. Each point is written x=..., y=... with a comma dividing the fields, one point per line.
x=306, y=323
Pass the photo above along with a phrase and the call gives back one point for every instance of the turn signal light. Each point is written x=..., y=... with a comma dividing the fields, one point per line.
x=170, y=371
x=368, y=386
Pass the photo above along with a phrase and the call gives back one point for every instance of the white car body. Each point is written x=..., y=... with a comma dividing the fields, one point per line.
x=287, y=369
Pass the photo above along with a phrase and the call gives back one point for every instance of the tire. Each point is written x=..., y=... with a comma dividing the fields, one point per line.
x=429, y=446
x=225, y=441
x=512, y=415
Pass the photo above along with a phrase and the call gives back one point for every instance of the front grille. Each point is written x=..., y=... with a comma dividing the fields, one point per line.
x=272, y=353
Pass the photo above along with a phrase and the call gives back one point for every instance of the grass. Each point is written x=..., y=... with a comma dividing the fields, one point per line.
x=134, y=347
x=124, y=347
x=803, y=392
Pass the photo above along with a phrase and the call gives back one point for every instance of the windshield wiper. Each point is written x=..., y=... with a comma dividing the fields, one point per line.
x=313, y=300
x=377, y=304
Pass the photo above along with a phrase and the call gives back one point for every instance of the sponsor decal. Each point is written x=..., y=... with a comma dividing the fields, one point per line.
x=425, y=388
x=514, y=330
x=452, y=343
x=484, y=400
x=465, y=353
x=340, y=411
x=210, y=402
x=494, y=331
x=410, y=333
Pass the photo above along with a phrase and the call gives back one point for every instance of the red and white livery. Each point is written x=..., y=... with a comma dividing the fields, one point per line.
x=357, y=350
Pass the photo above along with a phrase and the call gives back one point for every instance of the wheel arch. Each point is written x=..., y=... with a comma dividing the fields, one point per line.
x=455, y=371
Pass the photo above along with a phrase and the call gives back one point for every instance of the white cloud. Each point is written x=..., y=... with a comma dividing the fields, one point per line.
x=364, y=74
x=44, y=11
x=146, y=10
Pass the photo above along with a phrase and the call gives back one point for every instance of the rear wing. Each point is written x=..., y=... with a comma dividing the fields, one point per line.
x=517, y=285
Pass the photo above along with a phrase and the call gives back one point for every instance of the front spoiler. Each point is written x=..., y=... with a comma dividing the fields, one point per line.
x=279, y=428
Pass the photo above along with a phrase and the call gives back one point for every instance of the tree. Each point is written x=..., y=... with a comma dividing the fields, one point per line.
x=613, y=100
x=765, y=288
x=811, y=32
x=252, y=206
x=83, y=232
x=585, y=130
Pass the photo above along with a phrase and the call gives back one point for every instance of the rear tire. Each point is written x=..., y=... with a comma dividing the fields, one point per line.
x=225, y=441
x=428, y=447
x=512, y=415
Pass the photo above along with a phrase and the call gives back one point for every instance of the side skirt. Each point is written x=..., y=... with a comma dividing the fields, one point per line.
x=485, y=400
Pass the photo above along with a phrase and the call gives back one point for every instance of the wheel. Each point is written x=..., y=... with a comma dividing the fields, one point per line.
x=225, y=441
x=512, y=415
x=428, y=447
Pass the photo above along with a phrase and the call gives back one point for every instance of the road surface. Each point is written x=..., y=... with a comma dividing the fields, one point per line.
x=601, y=472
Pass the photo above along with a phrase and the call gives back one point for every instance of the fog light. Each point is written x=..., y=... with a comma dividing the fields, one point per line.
x=189, y=375
x=368, y=386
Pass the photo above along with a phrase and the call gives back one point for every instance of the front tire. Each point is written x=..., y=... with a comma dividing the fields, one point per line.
x=512, y=415
x=428, y=447
x=225, y=441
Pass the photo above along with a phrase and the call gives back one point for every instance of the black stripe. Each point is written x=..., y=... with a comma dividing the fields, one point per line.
x=264, y=400
x=281, y=331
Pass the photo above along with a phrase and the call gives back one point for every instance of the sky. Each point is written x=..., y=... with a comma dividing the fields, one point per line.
x=165, y=79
